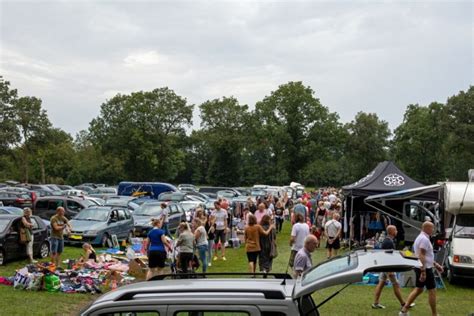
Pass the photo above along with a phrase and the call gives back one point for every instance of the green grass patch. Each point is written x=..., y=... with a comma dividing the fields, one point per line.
x=355, y=300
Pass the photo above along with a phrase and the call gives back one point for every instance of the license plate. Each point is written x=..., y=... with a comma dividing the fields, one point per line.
x=75, y=237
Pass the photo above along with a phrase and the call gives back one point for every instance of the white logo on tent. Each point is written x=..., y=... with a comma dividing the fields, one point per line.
x=367, y=177
x=393, y=180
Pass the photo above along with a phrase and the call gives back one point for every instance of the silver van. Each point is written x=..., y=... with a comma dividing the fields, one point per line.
x=276, y=295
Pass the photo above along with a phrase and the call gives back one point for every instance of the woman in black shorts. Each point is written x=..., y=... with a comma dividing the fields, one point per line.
x=155, y=243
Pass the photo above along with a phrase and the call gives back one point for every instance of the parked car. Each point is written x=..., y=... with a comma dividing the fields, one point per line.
x=143, y=215
x=227, y=194
x=140, y=189
x=84, y=188
x=214, y=190
x=175, y=197
x=96, y=201
x=190, y=207
x=103, y=192
x=17, y=199
x=274, y=294
x=96, y=225
x=196, y=196
x=65, y=187
x=45, y=207
x=123, y=202
x=10, y=246
x=187, y=187
x=11, y=210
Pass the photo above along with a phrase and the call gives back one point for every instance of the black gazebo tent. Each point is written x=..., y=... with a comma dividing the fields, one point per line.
x=386, y=177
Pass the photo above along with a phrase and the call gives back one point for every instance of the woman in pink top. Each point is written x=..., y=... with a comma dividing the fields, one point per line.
x=261, y=212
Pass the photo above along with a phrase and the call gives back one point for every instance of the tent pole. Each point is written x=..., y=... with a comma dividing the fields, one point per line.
x=350, y=225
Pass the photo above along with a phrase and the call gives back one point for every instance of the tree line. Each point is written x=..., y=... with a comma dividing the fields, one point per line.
x=289, y=135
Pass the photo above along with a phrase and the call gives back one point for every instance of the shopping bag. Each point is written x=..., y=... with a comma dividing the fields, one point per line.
x=36, y=281
x=22, y=279
x=52, y=283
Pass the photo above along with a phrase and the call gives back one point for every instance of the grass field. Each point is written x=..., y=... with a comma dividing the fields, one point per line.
x=355, y=300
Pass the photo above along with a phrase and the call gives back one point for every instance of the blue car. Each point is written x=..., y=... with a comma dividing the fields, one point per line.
x=143, y=215
x=96, y=225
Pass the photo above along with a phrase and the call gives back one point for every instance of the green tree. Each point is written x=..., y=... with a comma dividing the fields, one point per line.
x=223, y=129
x=291, y=119
x=367, y=144
x=141, y=130
x=32, y=121
x=8, y=129
x=418, y=144
x=459, y=125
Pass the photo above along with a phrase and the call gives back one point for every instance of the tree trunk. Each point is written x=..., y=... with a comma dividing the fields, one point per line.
x=43, y=173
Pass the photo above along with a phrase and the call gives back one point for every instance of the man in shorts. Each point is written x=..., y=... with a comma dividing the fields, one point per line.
x=220, y=220
x=58, y=223
x=388, y=244
x=332, y=230
x=425, y=275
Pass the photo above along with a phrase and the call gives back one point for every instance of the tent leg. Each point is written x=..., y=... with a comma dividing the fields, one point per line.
x=350, y=225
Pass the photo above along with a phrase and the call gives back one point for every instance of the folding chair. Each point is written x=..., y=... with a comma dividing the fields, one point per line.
x=440, y=258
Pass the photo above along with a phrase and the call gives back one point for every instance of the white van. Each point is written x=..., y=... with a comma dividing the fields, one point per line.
x=459, y=219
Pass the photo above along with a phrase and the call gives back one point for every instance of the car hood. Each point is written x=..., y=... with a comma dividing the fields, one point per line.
x=142, y=220
x=351, y=268
x=82, y=225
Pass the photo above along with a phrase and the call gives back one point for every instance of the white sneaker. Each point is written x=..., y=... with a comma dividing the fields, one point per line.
x=209, y=264
x=403, y=314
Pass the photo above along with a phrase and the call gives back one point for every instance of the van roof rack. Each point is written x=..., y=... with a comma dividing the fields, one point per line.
x=194, y=275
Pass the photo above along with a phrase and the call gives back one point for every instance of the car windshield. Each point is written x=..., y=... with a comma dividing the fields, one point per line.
x=464, y=226
x=148, y=210
x=3, y=224
x=93, y=214
x=331, y=267
x=11, y=210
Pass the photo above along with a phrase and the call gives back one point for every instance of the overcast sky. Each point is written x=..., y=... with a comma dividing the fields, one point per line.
x=357, y=56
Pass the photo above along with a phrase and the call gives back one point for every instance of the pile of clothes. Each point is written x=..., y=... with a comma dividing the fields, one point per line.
x=78, y=277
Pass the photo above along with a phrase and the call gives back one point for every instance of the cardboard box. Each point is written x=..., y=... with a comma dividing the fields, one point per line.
x=138, y=268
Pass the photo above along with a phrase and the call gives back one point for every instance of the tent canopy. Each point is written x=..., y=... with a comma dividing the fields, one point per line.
x=386, y=177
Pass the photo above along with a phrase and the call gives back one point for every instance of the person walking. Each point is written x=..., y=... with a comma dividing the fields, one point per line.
x=210, y=229
x=332, y=230
x=220, y=217
x=252, y=235
x=165, y=212
x=300, y=208
x=155, y=247
x=58, y=224
x=299, y=232
x=279, y=216
x=27, y=225
x=186, y=246
x=320, y=214
x=303, y=261
x=424, y=275
x=388, y=244
x=200, y=235
x=267, y=244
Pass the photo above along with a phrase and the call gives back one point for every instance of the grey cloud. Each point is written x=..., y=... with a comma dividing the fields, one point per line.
x=368, y=56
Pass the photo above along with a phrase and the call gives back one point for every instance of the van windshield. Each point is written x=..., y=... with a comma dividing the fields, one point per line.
x=464, y=226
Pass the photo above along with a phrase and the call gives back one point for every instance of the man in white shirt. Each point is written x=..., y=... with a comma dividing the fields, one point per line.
x=424, y=276
x=299, y=232
x=332, y=230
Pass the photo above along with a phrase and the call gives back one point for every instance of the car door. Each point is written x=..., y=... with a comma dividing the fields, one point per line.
x=13, y=247
x=351, y=269
x=122, y=229
x=38, y=232
x=174, y=217
x=113, y=223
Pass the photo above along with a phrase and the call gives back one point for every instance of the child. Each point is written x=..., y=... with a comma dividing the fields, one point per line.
x=89, y=253
x=316, y=231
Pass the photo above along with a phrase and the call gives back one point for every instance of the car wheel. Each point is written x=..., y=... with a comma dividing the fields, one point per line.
x=2, y=257
x=106, y=241
x=44, y=250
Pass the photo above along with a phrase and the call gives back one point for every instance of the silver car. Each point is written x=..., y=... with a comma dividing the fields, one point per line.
x=280, y=296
